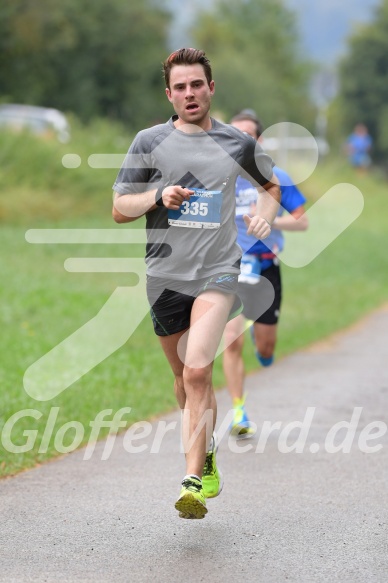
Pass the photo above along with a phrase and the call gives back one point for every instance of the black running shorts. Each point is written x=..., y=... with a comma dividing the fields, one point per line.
x=171, y=301
x=255, y=296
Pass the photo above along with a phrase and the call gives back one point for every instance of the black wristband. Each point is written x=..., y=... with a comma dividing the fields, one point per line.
x=158, y=196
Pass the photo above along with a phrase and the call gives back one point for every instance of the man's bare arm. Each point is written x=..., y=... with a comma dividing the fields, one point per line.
x=129, y=207
x=297, y=220
x=267, y=207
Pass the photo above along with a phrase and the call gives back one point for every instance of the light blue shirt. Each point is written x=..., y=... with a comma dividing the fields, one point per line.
x=246, y=195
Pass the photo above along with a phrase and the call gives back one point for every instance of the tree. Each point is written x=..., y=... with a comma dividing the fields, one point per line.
x=253, y=47
x=364, y=80
x=92, y=58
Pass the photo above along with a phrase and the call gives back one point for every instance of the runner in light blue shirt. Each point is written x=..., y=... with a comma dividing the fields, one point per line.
x=260, y=286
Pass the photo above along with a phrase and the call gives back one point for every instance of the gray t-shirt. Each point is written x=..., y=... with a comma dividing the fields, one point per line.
x=191, y=248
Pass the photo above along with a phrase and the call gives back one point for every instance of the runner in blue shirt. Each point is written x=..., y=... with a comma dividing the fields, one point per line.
x=359, y=144
x=260, y=278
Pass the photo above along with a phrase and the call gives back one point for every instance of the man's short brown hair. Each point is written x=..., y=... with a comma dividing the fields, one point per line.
x=187, y=57
x=249, y=115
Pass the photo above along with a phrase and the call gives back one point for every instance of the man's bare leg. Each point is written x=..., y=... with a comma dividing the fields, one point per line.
x=265, y=336
x=234, y=371
x=169, y=345
x=191, y=354
x=208, y=319
x=233, y=363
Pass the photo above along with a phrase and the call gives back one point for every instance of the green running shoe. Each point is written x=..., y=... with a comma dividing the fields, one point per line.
x=191, y=502
x=212, y=481
x=241, y=427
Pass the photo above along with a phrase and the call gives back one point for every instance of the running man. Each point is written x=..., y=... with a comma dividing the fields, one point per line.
x=358, y=146
x=259, y=279
x=181, y=176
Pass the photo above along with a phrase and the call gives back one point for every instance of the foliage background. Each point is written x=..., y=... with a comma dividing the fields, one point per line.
x=364, y=81
x=105, y=60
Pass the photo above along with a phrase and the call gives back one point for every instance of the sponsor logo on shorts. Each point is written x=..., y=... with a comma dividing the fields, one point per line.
x=223, y=278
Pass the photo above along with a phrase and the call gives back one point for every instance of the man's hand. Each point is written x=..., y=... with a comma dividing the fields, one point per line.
x=173, y=196
x=267, y=206
x=257, y=226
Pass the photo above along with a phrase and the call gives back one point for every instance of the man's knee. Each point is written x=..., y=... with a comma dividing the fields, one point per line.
x=197, y=378
x=233, y=346
x=266, y=347
x=265, y=339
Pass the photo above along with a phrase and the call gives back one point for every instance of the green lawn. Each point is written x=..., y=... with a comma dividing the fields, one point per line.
x=42, y=303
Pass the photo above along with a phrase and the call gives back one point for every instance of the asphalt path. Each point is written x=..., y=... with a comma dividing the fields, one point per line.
x=293, y=508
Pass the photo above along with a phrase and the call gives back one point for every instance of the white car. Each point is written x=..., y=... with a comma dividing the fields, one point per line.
x=42, y=121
